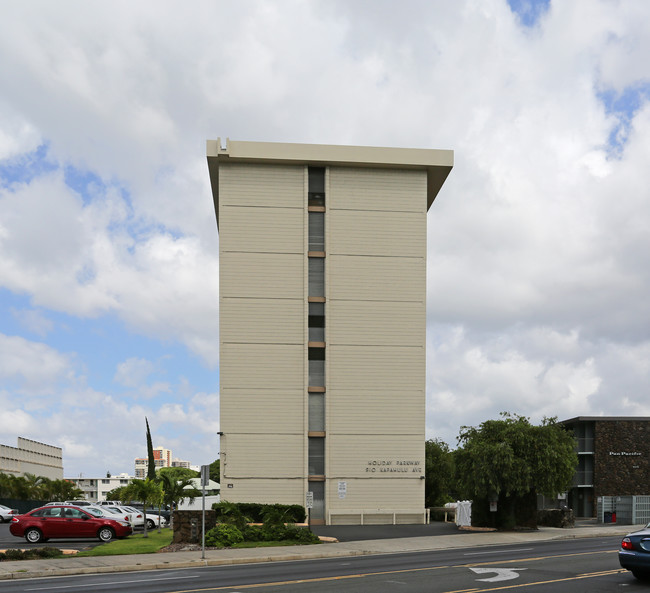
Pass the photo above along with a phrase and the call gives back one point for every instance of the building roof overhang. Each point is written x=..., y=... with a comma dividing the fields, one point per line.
x=437, y=163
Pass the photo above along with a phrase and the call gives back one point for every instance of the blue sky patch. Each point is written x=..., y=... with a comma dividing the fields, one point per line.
x=529, y=11
x=28, y=166
x=623, y=105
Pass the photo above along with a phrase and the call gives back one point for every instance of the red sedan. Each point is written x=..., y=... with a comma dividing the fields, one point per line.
x=44, y=523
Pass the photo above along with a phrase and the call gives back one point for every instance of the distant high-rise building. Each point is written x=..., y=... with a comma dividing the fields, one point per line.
x=322, y=272
x=162, y=458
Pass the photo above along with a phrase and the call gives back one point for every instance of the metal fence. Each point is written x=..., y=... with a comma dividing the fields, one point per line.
x=626, y=510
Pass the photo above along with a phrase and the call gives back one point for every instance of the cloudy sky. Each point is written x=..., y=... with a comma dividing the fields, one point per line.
x=539, y=242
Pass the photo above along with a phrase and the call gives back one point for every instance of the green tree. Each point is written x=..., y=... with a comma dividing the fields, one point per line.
x=64, y=490
x=148, y=492
x=215, y=470
x=151, y=464
x=179, y=473
x=438, y=473
x=117, y=494
x=175, y=491
x=510, y=461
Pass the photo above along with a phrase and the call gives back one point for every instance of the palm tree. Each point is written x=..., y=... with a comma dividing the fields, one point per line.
x=147, y=492
x=174, y=492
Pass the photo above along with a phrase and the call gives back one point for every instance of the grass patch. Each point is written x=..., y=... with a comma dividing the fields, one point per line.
x=134, y=544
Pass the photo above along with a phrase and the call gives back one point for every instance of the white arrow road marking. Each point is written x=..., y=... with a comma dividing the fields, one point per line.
x=502, y=574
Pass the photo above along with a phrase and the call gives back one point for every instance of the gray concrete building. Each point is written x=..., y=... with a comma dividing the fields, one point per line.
x=322, y=271
x=32, y=457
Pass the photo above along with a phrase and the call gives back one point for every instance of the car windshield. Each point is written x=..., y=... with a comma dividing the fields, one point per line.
x=95, y=512
x=112, y=510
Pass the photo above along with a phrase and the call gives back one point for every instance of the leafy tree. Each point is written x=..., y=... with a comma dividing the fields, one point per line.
x=439, y=473
x=64, y=490
x=174, y=491
x=148, y=492
x=117, y=494
x=151, y=464
x=179, y=473
x=215, y=470
x=33, y=487
x=510, y=461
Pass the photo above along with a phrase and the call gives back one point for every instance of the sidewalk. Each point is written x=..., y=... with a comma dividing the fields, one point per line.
x=103, y=564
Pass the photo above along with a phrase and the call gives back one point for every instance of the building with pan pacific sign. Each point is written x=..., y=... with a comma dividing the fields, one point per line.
x=612, y=481
x=322, y=274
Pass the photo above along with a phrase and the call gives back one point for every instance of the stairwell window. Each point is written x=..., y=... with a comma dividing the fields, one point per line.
x=316, y=176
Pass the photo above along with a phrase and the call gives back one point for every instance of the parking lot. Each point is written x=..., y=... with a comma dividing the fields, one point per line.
x=11, y=541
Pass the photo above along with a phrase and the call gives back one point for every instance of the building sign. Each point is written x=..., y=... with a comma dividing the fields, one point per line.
x=625, y=453
x=394, y=466
x=343, y=489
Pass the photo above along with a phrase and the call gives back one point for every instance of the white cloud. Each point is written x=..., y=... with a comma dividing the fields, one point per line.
x=33, y=367
x=538, y=264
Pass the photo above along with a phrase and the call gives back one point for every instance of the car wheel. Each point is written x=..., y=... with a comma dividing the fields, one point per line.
x=105, y=534
x=151, y=524
x=642, y=575
x=33, y=535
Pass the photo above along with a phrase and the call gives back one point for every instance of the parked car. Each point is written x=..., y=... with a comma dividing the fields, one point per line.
x=6, y=513
x=153, y=518
x=164, y=512
x=117, y=513
x=51, y=521
x=77, y=503
x=135, y=516
x=634, y=553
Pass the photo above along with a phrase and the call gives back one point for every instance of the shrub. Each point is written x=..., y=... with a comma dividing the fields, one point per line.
x=223, y=536
x=33, y=553
x=254, y=512
x=253, y=533
x=302, y=535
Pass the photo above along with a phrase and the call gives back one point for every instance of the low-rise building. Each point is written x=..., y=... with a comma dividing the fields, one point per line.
x=613, y=467
x=32, y=457
x=96, y=489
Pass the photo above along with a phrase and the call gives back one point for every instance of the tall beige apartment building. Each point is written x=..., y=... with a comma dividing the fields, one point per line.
x=322, y=264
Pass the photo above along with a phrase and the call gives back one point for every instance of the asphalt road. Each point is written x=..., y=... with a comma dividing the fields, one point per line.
x=582, y=565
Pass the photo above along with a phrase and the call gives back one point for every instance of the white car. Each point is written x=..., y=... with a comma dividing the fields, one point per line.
x=152, y=518
x=117, y=513
x=6, y=514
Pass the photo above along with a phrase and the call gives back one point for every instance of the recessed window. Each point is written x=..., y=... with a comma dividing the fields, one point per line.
x=316, y=322
x=316, y=177
x=316, y=231
x=316, y=367
x=316, y=412
x=316, y=276
x=316, y=456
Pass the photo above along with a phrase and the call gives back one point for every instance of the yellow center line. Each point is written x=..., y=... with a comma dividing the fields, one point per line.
x=535, y=558
x=564, y=580
x=428, y=568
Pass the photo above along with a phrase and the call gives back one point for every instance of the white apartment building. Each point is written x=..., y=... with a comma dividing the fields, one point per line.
x=96, y=489
x=322, y=271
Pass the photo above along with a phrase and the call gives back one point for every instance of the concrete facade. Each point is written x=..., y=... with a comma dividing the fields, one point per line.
x=322, y=262
x=32, y=457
